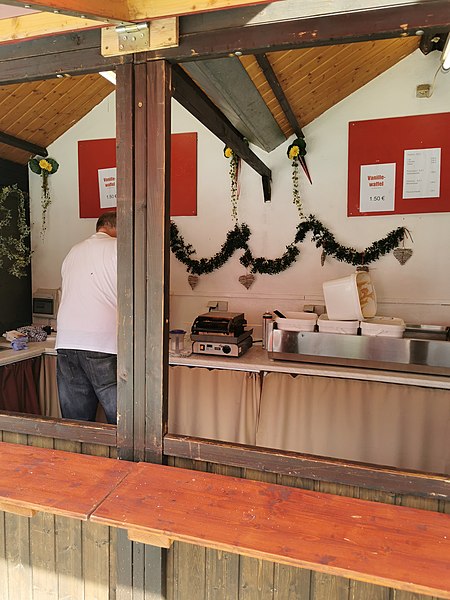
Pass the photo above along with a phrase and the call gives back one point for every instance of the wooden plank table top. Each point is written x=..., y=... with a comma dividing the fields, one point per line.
x=384, y=544
x=62, y=483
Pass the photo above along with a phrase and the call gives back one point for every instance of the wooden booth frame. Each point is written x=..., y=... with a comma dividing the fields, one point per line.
x=144, y=90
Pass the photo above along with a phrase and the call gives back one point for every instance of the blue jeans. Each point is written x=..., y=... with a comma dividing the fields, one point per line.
x=84, y=379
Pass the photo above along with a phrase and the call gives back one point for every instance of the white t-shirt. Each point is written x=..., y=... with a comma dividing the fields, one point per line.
x=87, y=315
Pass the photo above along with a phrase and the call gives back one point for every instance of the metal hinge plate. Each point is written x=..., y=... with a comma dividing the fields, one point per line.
x=139, y=37
x=134, y=37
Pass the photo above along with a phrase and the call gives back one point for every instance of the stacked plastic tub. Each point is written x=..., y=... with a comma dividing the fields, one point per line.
x=297, y=321
x=351, y=303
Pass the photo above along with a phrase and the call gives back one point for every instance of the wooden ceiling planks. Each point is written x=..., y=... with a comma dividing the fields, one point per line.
x=41, y=111
x=315, y=79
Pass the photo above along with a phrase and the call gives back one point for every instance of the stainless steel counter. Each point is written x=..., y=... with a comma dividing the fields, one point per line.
x=375, y=352
x=257, y=360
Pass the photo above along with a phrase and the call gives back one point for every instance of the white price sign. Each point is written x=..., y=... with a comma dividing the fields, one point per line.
x=107, y=187
x=377, y=188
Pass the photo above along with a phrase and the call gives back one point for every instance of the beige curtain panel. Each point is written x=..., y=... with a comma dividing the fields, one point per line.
x=48, y=391
x=397, y=425
x=215, y=404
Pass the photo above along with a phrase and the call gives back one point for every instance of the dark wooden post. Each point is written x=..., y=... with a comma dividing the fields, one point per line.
x=158, y=253
x=143, y=163
x=125, y=241
x=143, y=170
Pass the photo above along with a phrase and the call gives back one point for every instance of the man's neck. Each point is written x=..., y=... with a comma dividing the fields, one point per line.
x=111, y=231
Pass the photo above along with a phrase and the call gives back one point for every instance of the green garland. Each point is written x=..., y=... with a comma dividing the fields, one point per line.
x=270, y=266
x=238, y=237
x=324, y=239
x=14, y=249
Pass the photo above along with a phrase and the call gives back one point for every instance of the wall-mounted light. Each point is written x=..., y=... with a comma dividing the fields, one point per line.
x=109, y=75
x=445, y=58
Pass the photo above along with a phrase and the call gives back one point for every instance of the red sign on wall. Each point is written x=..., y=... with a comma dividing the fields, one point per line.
x=401, y=151
x=100, y=155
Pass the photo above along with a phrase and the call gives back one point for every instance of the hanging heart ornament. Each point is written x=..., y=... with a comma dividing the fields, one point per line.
x=193, y=280
x=247, y=280
x=403, y=254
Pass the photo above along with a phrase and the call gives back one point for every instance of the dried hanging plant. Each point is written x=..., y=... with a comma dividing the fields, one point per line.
x=235, y=166
x=44, y=167
x=296, y=151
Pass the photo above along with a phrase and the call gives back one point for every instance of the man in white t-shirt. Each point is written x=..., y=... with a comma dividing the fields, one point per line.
x=86, y=339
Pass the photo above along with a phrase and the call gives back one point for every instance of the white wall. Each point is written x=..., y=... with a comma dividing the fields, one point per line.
x=64, y=227
x=418, y=291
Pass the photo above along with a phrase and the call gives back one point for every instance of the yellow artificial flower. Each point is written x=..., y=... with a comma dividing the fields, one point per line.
x=293, y=152
x=228, y=152
x=45, y=165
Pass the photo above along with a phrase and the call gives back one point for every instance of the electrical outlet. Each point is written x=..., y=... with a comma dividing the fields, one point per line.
x=423, y=90
x=221, y=305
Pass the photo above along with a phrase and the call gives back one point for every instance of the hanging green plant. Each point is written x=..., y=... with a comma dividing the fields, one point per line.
x=44, y=167
x=15, y=252
x=235, y=166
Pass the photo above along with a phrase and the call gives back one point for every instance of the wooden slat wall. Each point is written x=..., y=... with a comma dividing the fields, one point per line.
x=197, y=573
x=39, y=112
x=50, y=557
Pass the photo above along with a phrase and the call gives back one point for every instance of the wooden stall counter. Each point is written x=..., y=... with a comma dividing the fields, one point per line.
x=53, y=481
x=384, y=544
x=9, y=356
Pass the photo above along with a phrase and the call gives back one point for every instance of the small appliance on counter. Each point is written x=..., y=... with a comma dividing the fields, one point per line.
x=221, y=333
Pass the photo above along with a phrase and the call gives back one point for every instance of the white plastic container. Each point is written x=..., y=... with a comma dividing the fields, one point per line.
x=297, y=321
x=327, y=325
x=383, y=326
x=350, y=298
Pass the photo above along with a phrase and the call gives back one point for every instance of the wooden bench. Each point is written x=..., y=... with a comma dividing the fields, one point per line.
x=384, y=544
x=378, y=543
x=62, y=483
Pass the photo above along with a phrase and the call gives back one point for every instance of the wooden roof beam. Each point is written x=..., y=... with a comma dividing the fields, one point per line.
x=272, y=80
x=123, y=11
x=41, y=24
x=189, y=95
x=323, y=30
x=10, y=140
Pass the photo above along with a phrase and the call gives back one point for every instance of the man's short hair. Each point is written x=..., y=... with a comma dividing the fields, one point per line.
x=107, y=219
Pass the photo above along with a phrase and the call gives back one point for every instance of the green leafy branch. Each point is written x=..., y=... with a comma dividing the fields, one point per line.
x=15, y=251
